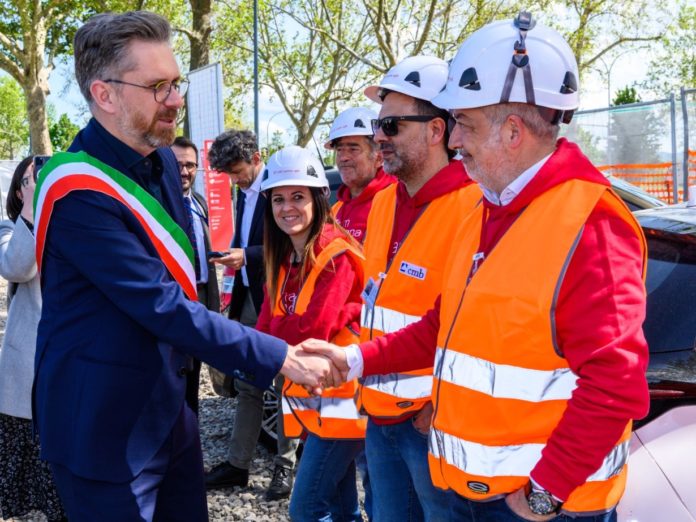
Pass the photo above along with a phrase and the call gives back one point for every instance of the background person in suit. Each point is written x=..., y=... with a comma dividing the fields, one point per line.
x=236, y=153
x=26, y=483
x=119, y=322
x=186, y=154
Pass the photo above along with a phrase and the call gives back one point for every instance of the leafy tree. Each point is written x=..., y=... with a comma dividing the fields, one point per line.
x=62, y=132
x=14, y=138
x=635, y=131
x=277, y=142
x=674, y=62
x=307, y=70
x=625, y=96
x=594, y=28
x=32, y=36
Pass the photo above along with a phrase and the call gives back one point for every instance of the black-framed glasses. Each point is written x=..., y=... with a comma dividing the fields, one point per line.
x=161, y=90
x=390, y=124
x=188, y=165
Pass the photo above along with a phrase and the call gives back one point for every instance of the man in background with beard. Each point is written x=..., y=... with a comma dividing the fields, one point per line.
x=120, y=319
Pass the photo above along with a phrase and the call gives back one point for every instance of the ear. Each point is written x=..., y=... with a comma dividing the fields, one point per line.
x=437, y=126
x=378, y=158
x=104, y=96
x=256, y=158
x=513, y=131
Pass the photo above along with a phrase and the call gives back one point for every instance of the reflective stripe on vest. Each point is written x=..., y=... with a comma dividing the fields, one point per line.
x=334, y=415
x=503, y=380
x=408, y=288
x=500, y=461
x=501, y=388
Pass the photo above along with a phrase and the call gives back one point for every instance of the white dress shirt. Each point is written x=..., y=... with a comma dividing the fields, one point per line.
x=252, y=197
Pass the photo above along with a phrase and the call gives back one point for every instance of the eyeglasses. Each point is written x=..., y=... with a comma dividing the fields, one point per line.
x=25, y=181
x=161, y=90
x=189, y=165
x=390, y=124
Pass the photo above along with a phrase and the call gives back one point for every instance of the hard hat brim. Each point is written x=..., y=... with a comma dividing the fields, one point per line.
x=294, y=183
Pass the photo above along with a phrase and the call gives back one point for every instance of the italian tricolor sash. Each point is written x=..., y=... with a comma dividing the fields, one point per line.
x=66, y=172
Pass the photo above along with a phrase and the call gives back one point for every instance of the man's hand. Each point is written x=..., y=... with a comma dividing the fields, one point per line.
x=517, y=502
x=335, y=354
x=423, y=419
x=233, y=259
x=313, y=371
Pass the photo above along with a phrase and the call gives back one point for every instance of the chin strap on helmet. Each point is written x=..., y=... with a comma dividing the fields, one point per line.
x=520, y=60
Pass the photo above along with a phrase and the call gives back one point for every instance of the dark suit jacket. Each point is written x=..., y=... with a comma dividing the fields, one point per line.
x=116, y=330
x=254, y=257
x=210, y=298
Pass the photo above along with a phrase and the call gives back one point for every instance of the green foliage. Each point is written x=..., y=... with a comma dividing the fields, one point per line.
x=635, y=132
x=673, y=64
x=14, y=138
x=597, y=28
x=62, y=132
x=277, y=142
x=626, y=95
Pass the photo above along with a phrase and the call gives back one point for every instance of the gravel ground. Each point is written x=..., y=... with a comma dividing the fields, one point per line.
x=216, y=414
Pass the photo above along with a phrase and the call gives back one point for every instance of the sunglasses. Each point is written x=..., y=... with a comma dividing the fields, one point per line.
x=390, y=124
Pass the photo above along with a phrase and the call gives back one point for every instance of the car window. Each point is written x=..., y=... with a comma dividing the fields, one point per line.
x=671, y=284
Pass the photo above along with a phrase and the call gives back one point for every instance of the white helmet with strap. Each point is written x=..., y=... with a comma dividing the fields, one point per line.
x=293, y=166
x=356, y=121
x=514, y=61
x=420, y=77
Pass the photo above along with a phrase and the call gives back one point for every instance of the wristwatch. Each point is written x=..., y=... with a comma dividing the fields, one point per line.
x=541, y=502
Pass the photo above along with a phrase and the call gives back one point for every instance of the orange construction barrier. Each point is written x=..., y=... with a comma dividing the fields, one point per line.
x=654, y=178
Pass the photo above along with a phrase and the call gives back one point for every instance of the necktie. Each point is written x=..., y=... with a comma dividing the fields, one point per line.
x=192, y=236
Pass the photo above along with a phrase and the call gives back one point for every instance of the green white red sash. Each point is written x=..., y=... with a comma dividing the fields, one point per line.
x=66, y=172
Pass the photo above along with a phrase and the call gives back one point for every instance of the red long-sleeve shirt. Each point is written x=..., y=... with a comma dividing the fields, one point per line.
x=334, y=304
x=599, y=317
x=354, y=210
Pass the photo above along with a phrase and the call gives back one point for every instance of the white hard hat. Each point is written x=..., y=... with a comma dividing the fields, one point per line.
x=513, y=61
x=420, y=77
x=293, y=166
x=356, y=121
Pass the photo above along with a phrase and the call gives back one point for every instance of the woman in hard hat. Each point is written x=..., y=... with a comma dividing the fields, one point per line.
x=313, y=284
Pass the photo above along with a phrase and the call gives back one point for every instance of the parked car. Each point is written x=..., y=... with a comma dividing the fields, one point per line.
x=662, y=459
x=634, y=197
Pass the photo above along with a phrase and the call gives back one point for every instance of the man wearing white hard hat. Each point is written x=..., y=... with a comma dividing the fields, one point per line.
x=539, y=352
x=359, y=163
x=409, y=231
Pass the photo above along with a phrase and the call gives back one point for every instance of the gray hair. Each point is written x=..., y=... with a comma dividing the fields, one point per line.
x=230, y=147
x=101, y=44
x=533, y=120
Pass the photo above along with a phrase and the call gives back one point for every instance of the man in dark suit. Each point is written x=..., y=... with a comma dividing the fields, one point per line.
x=186, y=154
x=236, y=153
x=120, y=319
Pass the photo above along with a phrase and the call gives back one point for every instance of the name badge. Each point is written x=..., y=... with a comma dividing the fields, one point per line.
x=369, y=293
x=411, y=270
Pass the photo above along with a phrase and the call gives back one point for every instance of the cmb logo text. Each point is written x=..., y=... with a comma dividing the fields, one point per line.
x=411, y=270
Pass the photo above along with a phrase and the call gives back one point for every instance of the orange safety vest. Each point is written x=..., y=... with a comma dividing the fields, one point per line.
x=501, y=385
x=336, y=207
x=333, y=415
x=408, y=287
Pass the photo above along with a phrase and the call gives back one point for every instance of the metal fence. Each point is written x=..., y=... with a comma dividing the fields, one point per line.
x=649, y=144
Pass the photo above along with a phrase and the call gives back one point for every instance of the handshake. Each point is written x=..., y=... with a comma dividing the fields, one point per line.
x=316, y=365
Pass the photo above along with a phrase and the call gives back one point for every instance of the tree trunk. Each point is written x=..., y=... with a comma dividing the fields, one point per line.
x=201, y=27
x=38, y=122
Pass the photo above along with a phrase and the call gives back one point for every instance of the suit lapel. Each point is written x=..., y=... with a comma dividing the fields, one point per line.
x=258, y=215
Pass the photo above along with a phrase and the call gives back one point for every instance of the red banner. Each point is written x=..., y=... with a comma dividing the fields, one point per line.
x=219, y=199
